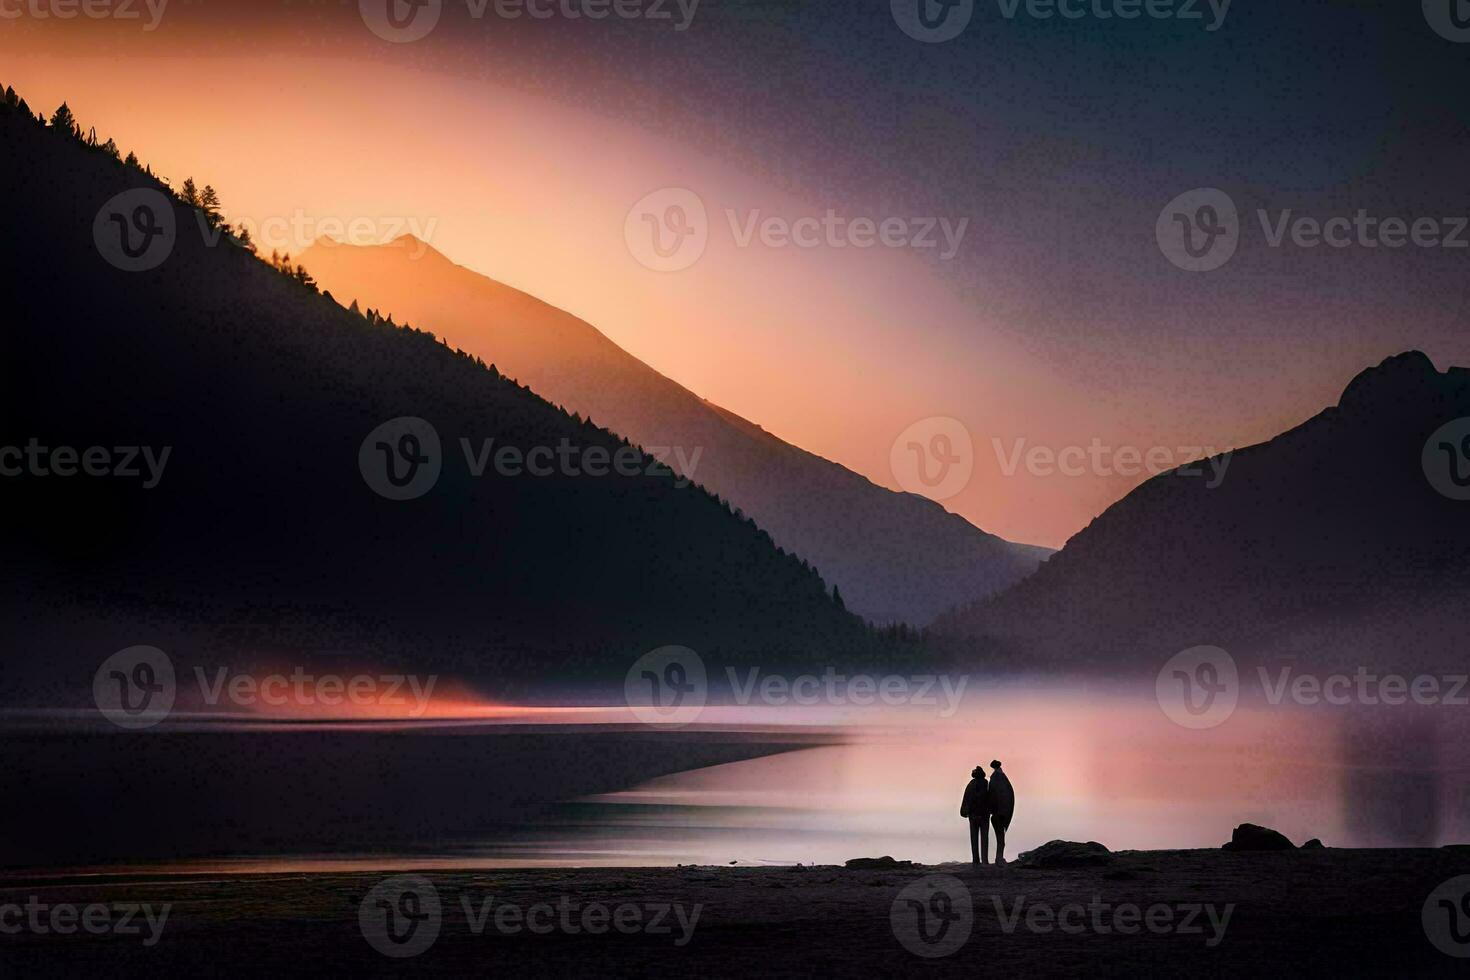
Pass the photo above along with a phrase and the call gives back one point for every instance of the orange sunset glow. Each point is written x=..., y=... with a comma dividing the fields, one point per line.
x=835, y=350
x=734, y=487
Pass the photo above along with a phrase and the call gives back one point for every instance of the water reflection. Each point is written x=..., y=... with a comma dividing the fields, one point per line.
x=1111, y=770
x=746, y=785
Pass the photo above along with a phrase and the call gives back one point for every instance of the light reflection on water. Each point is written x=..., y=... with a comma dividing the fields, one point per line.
x=1085, y=766
x=1110, y=770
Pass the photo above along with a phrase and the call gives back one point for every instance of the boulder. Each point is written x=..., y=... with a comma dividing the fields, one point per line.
x=1066, y=854
x=1249, y=837
x=884, y=863
x=1313, y=845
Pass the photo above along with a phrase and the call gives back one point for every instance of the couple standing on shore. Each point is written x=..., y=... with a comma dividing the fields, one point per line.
x=995, y=801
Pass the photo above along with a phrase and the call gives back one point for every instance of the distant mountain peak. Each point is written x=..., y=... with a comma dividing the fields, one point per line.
x=1332, y=541
x=1403, y=379
x=408, y=242
x=896, y=557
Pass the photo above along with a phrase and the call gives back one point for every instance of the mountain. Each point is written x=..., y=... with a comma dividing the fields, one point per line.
x=1329, y=543
x=264, y=537
x=896, y=557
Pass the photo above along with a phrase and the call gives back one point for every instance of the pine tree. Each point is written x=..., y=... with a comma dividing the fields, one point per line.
x=110, y=148
x=132, y=159
x=11, y=99
x=353, y=308
x=190, y=193
x=66, y=122
x=837, y=598
x=209, y=203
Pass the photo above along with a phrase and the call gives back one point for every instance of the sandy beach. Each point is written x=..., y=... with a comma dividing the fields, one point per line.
x=1354, y=912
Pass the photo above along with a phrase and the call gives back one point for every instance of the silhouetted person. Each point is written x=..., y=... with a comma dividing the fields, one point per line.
x=1002, y=807
x=976, y=806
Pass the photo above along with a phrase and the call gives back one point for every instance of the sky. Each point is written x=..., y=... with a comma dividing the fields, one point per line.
x=1054, y=315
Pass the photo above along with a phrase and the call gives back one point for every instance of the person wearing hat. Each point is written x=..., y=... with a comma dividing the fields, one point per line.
x=1002, y=799
x=976, y=806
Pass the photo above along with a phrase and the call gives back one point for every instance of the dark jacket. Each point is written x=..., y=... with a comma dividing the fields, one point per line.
x=976, y=804
x=1002, y=798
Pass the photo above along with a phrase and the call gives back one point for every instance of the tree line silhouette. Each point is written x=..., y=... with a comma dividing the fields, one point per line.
x=207, y=204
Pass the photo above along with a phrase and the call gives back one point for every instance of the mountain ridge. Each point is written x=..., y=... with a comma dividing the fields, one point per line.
x=265, y=539
x=896, y=557
x=1331, y=520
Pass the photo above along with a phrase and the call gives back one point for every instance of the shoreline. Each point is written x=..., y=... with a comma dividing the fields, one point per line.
x=1294, y=912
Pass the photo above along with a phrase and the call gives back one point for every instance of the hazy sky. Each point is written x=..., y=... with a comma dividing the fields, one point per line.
x=519, y=147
